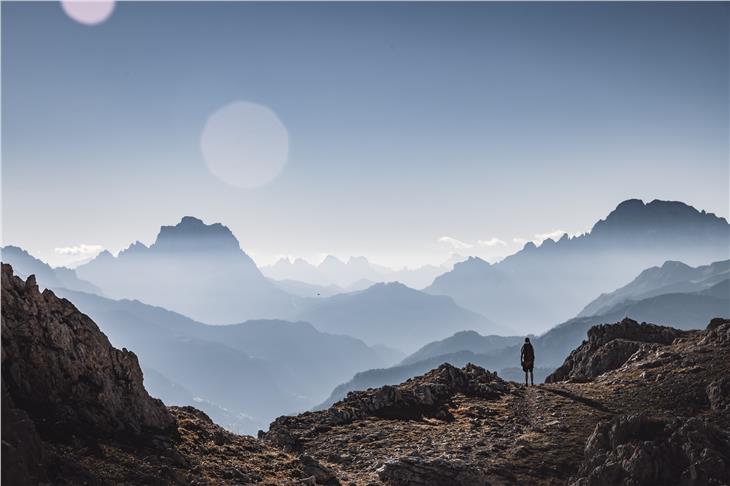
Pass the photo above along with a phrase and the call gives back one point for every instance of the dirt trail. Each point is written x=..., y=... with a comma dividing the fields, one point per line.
x=554, y=424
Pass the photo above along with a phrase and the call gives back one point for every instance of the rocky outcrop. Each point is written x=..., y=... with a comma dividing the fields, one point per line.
x=637, y=449
x=424, y=396
x=609, y=346
x=62, y=371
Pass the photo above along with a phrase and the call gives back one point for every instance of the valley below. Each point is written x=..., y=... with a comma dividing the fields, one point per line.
x=634, y=404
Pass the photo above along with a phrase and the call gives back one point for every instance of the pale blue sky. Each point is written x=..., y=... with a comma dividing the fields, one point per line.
x=406, y=122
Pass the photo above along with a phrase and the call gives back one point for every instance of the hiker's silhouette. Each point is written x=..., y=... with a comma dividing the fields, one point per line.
x=527, y=358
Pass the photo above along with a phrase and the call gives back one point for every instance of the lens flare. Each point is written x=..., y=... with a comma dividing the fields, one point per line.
x=245, y=144
x=88, y=12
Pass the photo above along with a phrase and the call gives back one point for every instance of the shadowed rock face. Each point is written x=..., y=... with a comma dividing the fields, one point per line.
x=637, y=449
x=58, y=367
x=609, y=346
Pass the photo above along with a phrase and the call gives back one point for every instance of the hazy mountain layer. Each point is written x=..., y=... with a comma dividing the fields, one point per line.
x=303, y=289
x=333, y=271
x=687, y=311
x=671, y=277
x=545, y=284
x=393, y=314
x=464, y=340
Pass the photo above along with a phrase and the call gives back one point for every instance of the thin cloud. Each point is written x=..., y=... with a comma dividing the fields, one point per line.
x=492, y=242
x=457, y=244
x=82, y=249
x=552, y=235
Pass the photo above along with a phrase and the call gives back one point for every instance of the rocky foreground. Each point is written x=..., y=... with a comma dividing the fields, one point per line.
x=634, y=404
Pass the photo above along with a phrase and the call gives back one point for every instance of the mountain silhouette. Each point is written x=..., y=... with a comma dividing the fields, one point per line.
x=193, y=268
x=551, y=282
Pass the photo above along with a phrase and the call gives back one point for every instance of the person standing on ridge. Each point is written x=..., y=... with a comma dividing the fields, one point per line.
x=527, y=358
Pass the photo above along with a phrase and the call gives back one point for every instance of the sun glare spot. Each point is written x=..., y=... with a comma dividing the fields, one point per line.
x=245, y=144
x=88, y=12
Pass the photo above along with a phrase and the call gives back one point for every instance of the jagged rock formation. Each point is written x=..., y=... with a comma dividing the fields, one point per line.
x=57, y=365
x=609, y=346
x=636, y=449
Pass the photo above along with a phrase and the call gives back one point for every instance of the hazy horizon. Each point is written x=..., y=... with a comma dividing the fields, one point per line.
x=397, y=131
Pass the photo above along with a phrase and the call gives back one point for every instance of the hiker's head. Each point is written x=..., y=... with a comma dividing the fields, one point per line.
x=527, y=340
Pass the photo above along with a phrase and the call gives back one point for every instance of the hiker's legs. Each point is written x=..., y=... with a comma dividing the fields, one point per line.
x=525, y=378
x=532, y=378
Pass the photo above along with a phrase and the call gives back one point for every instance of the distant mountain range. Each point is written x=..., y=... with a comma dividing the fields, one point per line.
x=393, y=314
x=463, y=340
x=548, y=283
x=671, y=277
x=25, y=265
x=193, y=268
x=688, y=310
x=349, y=275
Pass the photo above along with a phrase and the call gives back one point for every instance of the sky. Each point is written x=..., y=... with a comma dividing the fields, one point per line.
x=398, y=131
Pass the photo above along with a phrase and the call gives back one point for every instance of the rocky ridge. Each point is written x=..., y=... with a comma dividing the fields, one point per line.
x=420, y=398
x=634, y=404
x=609, y=346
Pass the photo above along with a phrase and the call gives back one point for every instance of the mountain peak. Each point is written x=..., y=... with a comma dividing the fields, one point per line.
x=331, y=260
x=634, y=212
x=191, y=220
x=671, y=264
x=192, y=234
x=135, y=247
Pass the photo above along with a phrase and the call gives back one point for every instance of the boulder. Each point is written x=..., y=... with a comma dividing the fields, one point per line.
x=609, y=346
